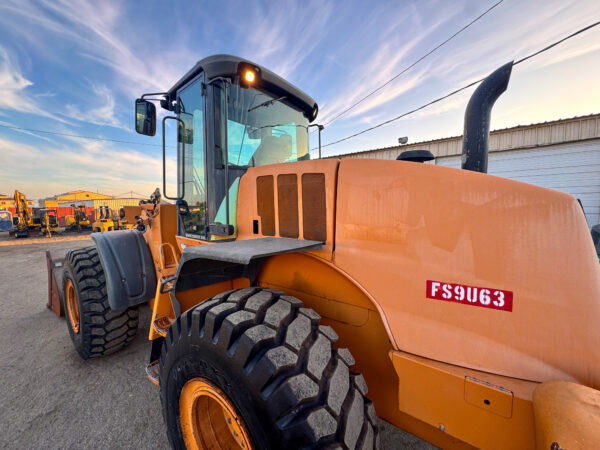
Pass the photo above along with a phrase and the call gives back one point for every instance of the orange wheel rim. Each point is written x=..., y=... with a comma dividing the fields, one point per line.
x=72, y=306
x=209, y=420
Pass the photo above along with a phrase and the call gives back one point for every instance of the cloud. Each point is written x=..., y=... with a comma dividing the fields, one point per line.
x=471, y=56
x=283, y=36
x=104, y=114
x=392, y=54
x=14, y=95
x=454, y=103
x=109, y=52
x=95, y=28
x=44, y=170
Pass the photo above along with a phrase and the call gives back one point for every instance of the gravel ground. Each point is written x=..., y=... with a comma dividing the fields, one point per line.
x=50, y=398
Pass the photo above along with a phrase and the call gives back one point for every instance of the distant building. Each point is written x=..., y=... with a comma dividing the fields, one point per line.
x=562, y=154
x=73, y=197
x=92, y=207
x=91, y=200
x=114, y=204
x=8, y=203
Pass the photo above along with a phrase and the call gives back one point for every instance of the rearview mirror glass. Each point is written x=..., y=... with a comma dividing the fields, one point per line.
x=145, y=117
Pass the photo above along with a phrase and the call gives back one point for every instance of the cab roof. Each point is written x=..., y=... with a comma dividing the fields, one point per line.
x=229, y=66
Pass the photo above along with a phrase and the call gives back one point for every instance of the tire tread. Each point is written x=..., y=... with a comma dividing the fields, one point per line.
x=305, y=382
x=104, y=331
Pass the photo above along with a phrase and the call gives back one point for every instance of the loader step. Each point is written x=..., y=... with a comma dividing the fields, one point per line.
x=162, y=324
x=153, y=372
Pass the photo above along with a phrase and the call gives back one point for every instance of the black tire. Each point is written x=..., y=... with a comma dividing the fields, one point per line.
x=102, y=331
x=276, y=364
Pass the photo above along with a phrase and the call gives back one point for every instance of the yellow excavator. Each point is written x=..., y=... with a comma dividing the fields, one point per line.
x=47, y=218
x=78, y=221
x=23, y=221
x=104, y=221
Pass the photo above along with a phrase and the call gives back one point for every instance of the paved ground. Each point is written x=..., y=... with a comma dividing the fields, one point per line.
x=50, y=398
x=6, y=239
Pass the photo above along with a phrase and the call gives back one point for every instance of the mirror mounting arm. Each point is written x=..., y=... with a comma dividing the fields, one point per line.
x=164, y=94
x=164, y=101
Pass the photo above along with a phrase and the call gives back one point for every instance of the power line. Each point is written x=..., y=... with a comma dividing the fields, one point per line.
x=554, y=44
x=413, y=64
x=557, y=42
x=94, y=138
x=404, y=114
x=130, y=194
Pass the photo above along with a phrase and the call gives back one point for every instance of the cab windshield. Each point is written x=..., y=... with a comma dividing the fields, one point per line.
x=262, y=129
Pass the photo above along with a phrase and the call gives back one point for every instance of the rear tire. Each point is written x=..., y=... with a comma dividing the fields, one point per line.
x=95, y=329
x=275, y=364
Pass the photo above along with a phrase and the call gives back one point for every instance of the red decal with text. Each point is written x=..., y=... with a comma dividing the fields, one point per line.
x=470, y=295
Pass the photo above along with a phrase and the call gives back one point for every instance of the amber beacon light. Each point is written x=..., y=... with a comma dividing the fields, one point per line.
x=249, y=76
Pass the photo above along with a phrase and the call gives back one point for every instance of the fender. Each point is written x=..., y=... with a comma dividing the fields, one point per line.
x=202, y=265
x=128, y=267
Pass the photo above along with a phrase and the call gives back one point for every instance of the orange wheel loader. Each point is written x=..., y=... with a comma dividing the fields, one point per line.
x=294, y=301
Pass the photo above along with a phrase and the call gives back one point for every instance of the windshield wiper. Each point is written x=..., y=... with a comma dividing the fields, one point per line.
x=267, y=103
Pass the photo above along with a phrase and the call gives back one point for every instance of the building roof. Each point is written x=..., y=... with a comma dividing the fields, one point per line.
x=519, y=137
x=74, y=193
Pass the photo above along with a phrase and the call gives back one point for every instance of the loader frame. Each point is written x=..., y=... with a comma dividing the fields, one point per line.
x=321, y=248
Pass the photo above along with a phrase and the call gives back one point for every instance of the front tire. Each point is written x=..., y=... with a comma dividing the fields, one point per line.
x=95, y=329
x=282, y=381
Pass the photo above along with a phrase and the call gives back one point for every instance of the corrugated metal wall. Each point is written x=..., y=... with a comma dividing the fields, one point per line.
x=13, y=211
x=529, y=136
x=562, y=154
x=115, y=203
x=572, y=168
x=65, y=209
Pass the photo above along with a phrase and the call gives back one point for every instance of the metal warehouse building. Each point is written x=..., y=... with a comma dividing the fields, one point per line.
x=562, y=155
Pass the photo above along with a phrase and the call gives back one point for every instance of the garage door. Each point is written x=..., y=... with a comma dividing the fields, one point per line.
x=572, y=168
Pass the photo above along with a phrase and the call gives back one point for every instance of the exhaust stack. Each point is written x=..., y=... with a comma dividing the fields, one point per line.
x=477, y=119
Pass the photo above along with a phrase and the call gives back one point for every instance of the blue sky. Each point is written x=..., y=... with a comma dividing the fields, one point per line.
x=76, y=67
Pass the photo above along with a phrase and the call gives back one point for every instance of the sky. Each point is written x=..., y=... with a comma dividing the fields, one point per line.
x=76, y=67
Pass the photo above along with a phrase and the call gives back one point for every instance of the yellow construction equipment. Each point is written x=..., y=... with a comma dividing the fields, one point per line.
x=127, y=216
x=78, y=221
x=281, y=287
x=104, y=221
x=23, y=221
x=47, y=218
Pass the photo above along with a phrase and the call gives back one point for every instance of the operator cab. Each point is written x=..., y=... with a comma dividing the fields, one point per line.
x=232, y=114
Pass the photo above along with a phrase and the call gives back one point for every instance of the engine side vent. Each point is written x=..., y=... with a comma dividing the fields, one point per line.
x=265, y=202
x=278, y=206
x=287, y=203
x=314, y=219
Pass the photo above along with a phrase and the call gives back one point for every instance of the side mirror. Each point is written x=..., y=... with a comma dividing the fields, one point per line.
x=145, y=117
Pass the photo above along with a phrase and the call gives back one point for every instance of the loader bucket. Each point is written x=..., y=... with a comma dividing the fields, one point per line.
x=55, y=262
